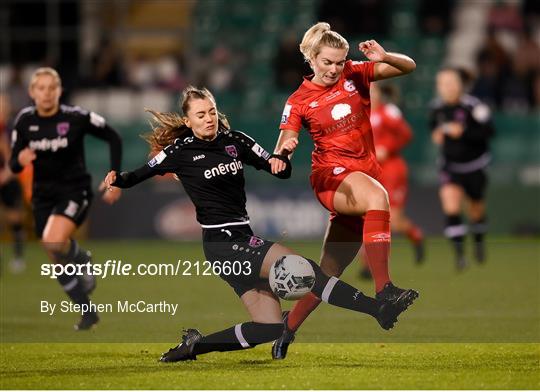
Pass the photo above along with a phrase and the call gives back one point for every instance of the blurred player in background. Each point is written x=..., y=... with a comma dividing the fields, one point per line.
x=50, y=137
x=461, y=127
x=10, y=192
x=207, y=157
x=391, y=134
x=334, y=105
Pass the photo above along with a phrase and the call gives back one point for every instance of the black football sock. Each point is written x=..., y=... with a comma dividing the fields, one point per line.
x=479, y=229
x=455, y=231
x=239, y=337
x=73, y=289
x=76, y=254
x=338, y=293
x=18, y=240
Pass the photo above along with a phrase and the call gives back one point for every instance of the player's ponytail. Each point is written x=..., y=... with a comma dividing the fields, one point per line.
x=166, y=127
x=320, y=35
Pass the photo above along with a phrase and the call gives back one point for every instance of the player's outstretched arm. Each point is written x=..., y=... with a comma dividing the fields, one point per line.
x=388, y=65
x=127, y=179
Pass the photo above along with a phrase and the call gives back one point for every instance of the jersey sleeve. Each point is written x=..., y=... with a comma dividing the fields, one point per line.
x=362, y=72
x=255, y=155
x=291, y=118
x=481, y=126
x=166, y=161
x=98, y=127
x=18, y=143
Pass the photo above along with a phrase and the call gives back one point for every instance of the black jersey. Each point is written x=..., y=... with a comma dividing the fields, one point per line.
x=212, y=173
x=58, y=142
x=471, y=151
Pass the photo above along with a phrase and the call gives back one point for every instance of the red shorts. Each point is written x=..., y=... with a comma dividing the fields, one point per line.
x=394, y=179
x=327, y=179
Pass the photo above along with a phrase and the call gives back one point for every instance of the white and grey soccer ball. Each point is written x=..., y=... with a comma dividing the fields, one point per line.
x=291, y=277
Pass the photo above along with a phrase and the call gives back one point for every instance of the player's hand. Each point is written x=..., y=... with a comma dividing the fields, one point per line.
x=437, y=137
x=372, y=50
x=26, y=156
x=107, y=182
x=288, y=146
x=277, y=165
x=381, y=153
x=454, y=130
x=110, y=193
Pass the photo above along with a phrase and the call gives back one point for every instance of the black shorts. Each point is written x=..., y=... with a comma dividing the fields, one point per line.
x=73, y=204
x=237, y=244
x=11, y=194
x=474, y=183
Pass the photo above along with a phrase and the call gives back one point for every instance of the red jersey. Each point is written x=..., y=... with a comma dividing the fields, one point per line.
x=390, y=129
x=337, y=119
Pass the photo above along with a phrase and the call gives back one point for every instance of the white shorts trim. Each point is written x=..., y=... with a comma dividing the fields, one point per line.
x=225, y=225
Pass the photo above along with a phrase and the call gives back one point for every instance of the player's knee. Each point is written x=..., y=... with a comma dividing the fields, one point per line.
x=378, y=200
x=56, y=249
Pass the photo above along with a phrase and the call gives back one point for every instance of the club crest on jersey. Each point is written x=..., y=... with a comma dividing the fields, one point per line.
x=62, y=128
x=255, y=241
x=231, y=150
x=349, y=86
x=460, y=115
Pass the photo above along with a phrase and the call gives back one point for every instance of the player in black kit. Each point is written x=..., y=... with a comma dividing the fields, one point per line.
x=461, y=125
x=51, y=137
x=209, y=158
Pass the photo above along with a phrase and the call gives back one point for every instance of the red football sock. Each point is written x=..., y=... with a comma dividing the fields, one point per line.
x=414, y=234
x=302, y=310
x=363, y=257
x=377, y=245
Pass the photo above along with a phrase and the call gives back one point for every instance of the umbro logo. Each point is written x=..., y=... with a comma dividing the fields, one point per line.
x=197, y=157
x=314, y=104
x=381, y=237
x=338, y=170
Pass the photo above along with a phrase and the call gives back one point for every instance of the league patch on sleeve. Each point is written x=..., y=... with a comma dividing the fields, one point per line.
x=261, y=152
x=286, y=113
x=157, y=159
x=97, y=120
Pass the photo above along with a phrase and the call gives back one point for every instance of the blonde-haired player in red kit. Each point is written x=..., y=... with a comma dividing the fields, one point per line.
x=333, y=104
x=391, y=134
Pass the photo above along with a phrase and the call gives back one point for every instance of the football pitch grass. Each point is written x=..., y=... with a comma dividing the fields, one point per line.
x=479, y=329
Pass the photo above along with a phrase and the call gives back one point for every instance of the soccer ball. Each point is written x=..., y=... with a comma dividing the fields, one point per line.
x=291, y=277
